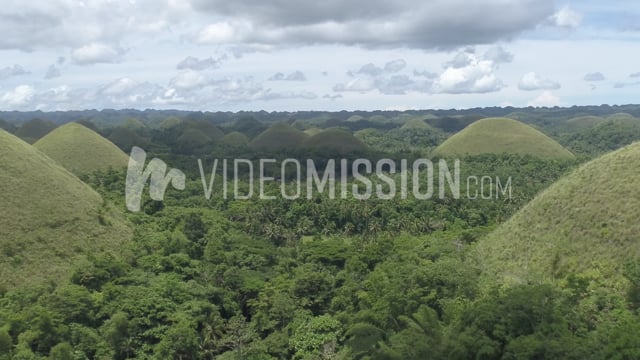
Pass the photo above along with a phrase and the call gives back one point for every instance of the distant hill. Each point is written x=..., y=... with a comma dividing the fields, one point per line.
x=502, y=135
x=586, y=224
x=313, y=131
x=33, y=130
x=49, y=219
x=236, y=138
x=586, y=121
x=334, y=140
x=280, y=136
x=81, y=150
x=416, y=123
x=248, y=126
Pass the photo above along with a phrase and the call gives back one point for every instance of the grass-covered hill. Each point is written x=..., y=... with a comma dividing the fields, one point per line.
x=502, y=135
x=236, y=138
x=335, y=140
x=313, y=131
x=583, y=122
x=34, y=129
x=416, y=123
x=280, y=136
x=586, y=224
x=81, y=150
x=49, y=219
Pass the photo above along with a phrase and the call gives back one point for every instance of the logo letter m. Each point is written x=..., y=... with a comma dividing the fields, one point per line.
x=137, y=177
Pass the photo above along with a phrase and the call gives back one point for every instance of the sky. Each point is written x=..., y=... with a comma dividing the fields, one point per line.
x=328, y=55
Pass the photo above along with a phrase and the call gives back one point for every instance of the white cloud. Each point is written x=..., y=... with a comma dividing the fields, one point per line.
x=193, y=63
x=96, y=53
x=358, y=85
x=188, y=80
x=546, y=99
x=532, y=81
x=220, y=33
x=567, y=18
x=468, y=73
x=18, y=98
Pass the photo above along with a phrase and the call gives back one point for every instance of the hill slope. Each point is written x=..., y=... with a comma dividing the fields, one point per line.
x=334, y=140
x=585, y=223
x=81, y=150
x=502, y=135
x=49, y=219
x=280, y=136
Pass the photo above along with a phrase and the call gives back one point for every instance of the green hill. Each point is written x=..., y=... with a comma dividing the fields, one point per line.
x=125, y=139
x=416, y=123
x=248, y=126
x=49, y=219
x=81, y=150
x=280, y=136
x=335, y=140
x=622, y=117
x=586, y=224
x=583, y=122
x=236, y=139
x=502, y=135
x=313, y=131
x=33, y=130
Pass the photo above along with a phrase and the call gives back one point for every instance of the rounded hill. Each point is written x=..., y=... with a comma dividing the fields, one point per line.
x=49, y=219
x=502, y=135
x=280, y=136
x=236, y=138
x=81, y=150
x=335, y=140
x=584, y=224
x=416, y=123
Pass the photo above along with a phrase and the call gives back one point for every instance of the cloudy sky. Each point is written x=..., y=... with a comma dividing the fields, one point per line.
x=317, y=55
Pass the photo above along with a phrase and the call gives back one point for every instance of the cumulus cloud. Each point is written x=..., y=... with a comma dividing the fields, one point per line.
x=96, y=53
x=468, y=73
x=379, y=23
x=546, y=99
x=532, y=81
x=596, y=76
x=566, y=18
x=32, y=25
x=9, y=71
x=18, y=98
x=294, y=76
x=193, y=63
x=465, y=73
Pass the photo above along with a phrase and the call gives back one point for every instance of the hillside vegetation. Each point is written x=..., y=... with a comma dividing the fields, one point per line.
x=502, y=135
x=585, y=224
x=49, y=219
x=81, y=150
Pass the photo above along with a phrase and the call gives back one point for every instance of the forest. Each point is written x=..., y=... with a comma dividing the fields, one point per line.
x=319, y=277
